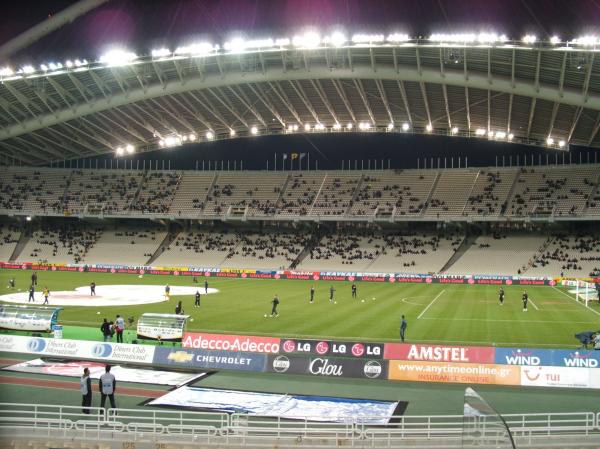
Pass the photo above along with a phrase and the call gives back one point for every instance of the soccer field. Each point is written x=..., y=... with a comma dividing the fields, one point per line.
x=453, y=314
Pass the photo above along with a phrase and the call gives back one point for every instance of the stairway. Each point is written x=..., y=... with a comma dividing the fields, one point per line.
x=23, y=239
x=314, y=241
x=462, y=248
x=169, y=238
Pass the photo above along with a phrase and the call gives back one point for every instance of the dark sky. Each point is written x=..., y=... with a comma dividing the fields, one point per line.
x=145, y=24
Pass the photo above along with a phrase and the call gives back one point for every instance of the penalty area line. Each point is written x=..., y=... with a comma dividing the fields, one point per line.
x=572, y=299
x=533, y=304
x=430, y=304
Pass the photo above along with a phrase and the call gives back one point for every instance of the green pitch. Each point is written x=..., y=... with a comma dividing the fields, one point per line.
x=453, y=314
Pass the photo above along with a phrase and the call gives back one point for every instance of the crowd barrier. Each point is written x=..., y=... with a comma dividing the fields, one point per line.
x=287, y=274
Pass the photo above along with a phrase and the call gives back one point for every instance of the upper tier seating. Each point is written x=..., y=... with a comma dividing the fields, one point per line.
x=490, y=193
x=335, y=193
x=451, y=193
x=191, y=193
x=300, y=193
x=157, y=193
x=40, y=190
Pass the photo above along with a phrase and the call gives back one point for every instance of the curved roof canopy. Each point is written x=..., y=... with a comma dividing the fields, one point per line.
x=534, y=94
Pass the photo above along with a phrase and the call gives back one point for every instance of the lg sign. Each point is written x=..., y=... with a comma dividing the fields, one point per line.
x=333, y=348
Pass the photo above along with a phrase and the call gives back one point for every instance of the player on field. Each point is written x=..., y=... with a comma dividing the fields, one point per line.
x=93, y=289
x=353, y=290
x=167, y=292
x=31, y=292
x=312, y=293
x=205, y=286
x=34, y=278
x=275, y=303
x=46, y=293
x=501, y=296
x=403, y=325
x=11, y=282
x=331, y=292
x=197, y=301
x=525, y=299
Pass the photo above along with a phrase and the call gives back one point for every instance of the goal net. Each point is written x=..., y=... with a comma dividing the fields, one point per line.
x=585, y=290
x=483, y=427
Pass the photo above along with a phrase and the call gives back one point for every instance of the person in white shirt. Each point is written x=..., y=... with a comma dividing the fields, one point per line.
x=86, y=391
x=119, y=328
x=108, y=385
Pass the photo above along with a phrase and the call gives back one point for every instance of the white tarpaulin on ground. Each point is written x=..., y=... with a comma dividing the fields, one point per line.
x=314, y=408
x=122, y=374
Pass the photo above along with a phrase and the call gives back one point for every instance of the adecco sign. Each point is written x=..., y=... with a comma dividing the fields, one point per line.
x=235, y=343
x=327, y=366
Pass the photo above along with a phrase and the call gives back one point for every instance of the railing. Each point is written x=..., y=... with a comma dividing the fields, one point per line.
x=27, y=421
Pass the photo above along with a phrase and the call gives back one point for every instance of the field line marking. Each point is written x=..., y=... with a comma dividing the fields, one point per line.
x=510, y=321
x=406, y=301
x=569, y=296
x=533, y=304
x=431, y=303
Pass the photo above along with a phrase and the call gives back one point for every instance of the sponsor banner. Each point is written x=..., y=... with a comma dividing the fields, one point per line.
x=523, y=356
x=467, y=373
x=327, y=366
x=439, y=353
x=186, y=358
x=235, y=343
x=332, y=348
x=575, y=358
x=556, y=376
x=110, y=352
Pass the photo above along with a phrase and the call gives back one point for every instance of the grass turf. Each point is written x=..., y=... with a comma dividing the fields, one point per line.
x=436, y=313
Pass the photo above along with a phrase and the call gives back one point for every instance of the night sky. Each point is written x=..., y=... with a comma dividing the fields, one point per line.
x=141, y=25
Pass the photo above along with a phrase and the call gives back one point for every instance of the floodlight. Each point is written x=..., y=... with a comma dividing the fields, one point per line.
x=199, y=49
x=309, y=39
x=349, y=126
x=337, y=39
x=28, y=69
x=6, y=71
x=254, y=130
x=161, y=52
x=529, y=39
x=69, y=63
x=28, y=218
x=555, y=40
x=307, y=127
x=173, y=141
x=587, y=41
x=491, y=134
x=367, y=38
x=550, y=141
x=78, y=63
x=210, y=135
x=120, y=151
x=295, y=127
x=500, y=135
x=184, y=138
x=290, y=128
x=405, y=126
x=232, y=132
x=118, y=57
x=235, y=45
x=283, y=42
x=367, y=125
x=429, y=128
x=454, y=130
x=337, y=126
x=320, y=126
x=130, y=148
x=480, y=132
x=55, y=65
x=561, y=143
x=511, y=136
x=44, y=67
x=398, y=37
x=161, y=143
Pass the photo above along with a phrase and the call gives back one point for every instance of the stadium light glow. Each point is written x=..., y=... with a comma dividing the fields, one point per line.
x=199, y=49
x=561, y=143
x=161, y=143
x=390, y=126
x=454, y=130
x=118, y=57
x=28, y=69
x=282, y=42
x=428, y=128
x=307, y=127
x=44, y=67
x=349, y=126
x=232, y=132
x=120, y=151
x=69, y=63
x=161, y=52
x=511, y=136
x=310, y=39
x=210, y=135
x=290, y=128
x=55, y=66
x=368, y=38
x=239, y=44
x=491, y=134
x=398, y=37
x=337, y=126
x=529, y=39
x=28, y=218
x=458, y=37
x=319, y=127
x=6, y=71
x=550, y=141
x=555, y=40
x=405, y=126
x=173, y=141
x=480, y=132
x=587, y=41
x=500, y=135
x=192, y=137
x=337, y=39
x=129, y=148
x=184, y=138
x=254, y=130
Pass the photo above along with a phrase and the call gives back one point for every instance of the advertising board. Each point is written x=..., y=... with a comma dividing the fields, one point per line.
x=439, y=353
x=556, y=376
x=467, y=373
x=332, y=348
x=236, y=343
x=575, y=358
x=327, y=366
x=205, y=359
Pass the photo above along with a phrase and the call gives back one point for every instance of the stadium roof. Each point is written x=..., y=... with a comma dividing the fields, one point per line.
x=485, y=87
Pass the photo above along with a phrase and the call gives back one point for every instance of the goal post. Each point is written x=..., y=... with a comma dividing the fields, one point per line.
x=585, y=290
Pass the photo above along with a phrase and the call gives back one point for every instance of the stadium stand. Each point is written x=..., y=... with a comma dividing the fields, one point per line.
x=568, y=255
x=490, y=193
x=200, y=248
x=134, y=246
x=157, y=192
x=450, y=196
x=299, y=196
x=33, y=189
x=335, y=193
x=9, y=237
x=192, y=192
